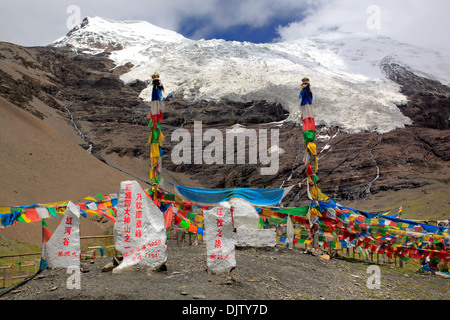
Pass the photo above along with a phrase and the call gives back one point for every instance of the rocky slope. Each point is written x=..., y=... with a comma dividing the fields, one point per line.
x=111, y=120
x=270, y=274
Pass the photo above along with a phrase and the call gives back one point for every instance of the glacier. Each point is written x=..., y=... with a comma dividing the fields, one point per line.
x=350, y=90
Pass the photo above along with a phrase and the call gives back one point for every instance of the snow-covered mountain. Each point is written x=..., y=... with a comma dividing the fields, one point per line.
x=349, y=87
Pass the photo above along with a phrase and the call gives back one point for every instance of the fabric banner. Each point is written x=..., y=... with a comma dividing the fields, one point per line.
x=139, y=231
x=62, y=250
x=307, y=111
x=220, y=244
x=254, y=196
x=309, y=124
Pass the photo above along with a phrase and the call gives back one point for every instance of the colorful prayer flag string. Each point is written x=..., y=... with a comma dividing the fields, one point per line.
x=156, y=137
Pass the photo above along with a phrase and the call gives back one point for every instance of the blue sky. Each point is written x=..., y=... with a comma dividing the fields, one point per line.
x=240, y=32
x=420, y=22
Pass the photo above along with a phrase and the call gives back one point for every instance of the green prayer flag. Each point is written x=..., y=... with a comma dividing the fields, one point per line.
x=309, y=135
x=404, y=258
x=315, y=179
x=52, y=211
x=155, y=135
x=191, y=215
x=184, y=224
x=99, y=196
x=299, y=211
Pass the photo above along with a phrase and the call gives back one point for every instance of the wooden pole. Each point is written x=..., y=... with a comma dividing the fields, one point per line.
x=12, y=270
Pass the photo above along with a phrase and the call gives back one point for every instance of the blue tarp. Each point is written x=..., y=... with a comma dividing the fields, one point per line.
x=255, y=196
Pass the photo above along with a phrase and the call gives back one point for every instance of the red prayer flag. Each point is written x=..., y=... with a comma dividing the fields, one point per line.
x=46, y=235
x=309, y=170
x=168, y=217
x=32, y=214
x=110, y=217
x=309, y=124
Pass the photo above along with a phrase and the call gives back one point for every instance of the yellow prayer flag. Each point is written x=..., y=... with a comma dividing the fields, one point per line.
x=154, y=150
x=57, y=204
x=198, y=218
x=150, y=137
x=92, y=212
x=312, y=148
x=161, y=138
x=24, y=217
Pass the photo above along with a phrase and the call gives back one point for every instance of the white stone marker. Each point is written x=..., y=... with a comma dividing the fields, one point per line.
x=220, y=249
x=139, y=231
x=62, y=250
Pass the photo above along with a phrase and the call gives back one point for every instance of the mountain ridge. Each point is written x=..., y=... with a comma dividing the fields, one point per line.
x=113, y=114
x=344, y=70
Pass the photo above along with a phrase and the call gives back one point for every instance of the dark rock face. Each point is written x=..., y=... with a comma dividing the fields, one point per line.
x=428, y=100
x=114, y=121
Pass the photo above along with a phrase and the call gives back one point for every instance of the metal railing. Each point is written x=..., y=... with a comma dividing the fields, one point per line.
x=19, y=268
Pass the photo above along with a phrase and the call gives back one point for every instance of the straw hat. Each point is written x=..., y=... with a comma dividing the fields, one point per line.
x=305, y=79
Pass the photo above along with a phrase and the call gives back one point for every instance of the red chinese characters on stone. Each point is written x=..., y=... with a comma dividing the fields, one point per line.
x=143, y=248
x=127, y=218
x=218, y=236
x=67, y=254
x=138, y=233
x=67, y=230
x=66, y=240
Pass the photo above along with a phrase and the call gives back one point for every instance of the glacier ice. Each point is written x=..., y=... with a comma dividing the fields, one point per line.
x=350, y=91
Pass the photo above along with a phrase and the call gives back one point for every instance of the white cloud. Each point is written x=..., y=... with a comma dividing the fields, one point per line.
x=41, y=22
x=422, y=22
x=419, y=22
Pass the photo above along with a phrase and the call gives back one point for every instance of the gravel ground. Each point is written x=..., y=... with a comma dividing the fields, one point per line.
x=261, y=274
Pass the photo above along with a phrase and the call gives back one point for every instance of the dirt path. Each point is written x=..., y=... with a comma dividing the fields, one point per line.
x=261, y=274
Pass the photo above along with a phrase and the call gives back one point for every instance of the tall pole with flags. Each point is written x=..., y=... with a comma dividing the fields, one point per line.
x=156, y=138
x=309, y=134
